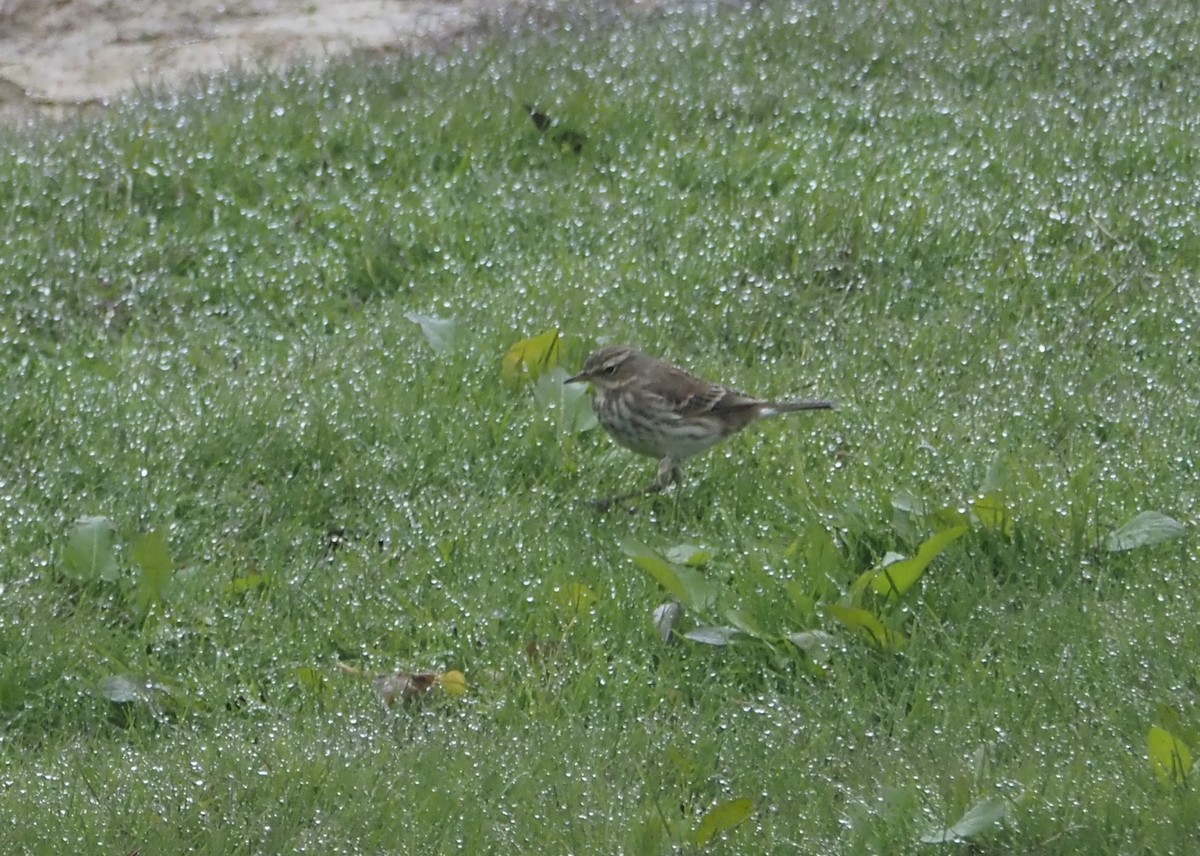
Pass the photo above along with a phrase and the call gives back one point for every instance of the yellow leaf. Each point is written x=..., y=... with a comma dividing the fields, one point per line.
x=453, y=682
x=253, y=580
x=310, y=679
x=722, y=818
x=574, y=596
x=530, y=358
x=898, y=577
x=867, y=626
x=1169, y=756
x=993, y=513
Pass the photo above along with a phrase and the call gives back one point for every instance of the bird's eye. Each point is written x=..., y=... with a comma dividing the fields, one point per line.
x=610, y=370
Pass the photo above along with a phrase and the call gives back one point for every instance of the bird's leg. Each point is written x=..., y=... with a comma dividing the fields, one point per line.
x=669, y=471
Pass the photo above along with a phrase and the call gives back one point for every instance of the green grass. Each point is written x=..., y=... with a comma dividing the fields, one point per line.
x=974, y=224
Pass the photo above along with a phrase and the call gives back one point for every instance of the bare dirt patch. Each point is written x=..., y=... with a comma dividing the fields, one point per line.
x=68, y=56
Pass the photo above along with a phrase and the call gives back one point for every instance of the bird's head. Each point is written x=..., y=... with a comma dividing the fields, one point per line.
x=610, y=367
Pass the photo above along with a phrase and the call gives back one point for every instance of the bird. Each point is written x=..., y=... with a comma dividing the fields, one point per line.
x=658, y=409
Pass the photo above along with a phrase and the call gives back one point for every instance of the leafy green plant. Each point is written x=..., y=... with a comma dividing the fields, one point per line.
x=90, y=555
x=863, y=609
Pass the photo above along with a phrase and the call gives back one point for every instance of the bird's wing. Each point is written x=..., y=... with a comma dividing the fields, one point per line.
x=693, y=396
x=725, y=400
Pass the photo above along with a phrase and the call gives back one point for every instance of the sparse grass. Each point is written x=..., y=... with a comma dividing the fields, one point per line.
x=975, y=224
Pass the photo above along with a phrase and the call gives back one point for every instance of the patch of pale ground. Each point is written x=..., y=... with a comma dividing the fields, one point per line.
x=67, y=57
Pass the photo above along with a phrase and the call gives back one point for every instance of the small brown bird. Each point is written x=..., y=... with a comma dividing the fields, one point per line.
x=661, y=410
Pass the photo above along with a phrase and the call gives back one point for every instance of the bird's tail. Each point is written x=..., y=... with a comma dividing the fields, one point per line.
x=773, y=407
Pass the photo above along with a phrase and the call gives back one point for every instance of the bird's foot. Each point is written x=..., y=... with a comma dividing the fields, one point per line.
x=608, y=502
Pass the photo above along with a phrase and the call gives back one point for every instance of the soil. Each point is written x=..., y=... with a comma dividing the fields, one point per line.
x=66, y=57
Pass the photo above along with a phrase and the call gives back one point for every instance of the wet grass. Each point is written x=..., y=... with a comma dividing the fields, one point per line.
x=974, y=224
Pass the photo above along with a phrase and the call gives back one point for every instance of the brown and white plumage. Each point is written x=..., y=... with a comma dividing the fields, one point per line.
x=655, y=408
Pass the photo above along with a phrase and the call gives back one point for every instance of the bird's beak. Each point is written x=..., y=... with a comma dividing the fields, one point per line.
x=575, y=378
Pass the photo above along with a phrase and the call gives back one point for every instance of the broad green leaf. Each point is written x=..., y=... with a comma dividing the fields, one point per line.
x=150, y=553
x=747, y=623
x=89, y=551
x=722, y=818
x=866, y=578
x=1148, y=528
x=549, y=391
x=699, y=592
x=153, y=559
x=443, y=334
x=717, y=636
x=868, y=626
x=688, y=586
x=571, y=401
x=662, y=571
x=980, y=817
x=822, y=561
x=531, y=358
x=578, y=414
x=860, y=585
x=688, y=554
x=897, y=578
x=1170, y=757
x=817, y=644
